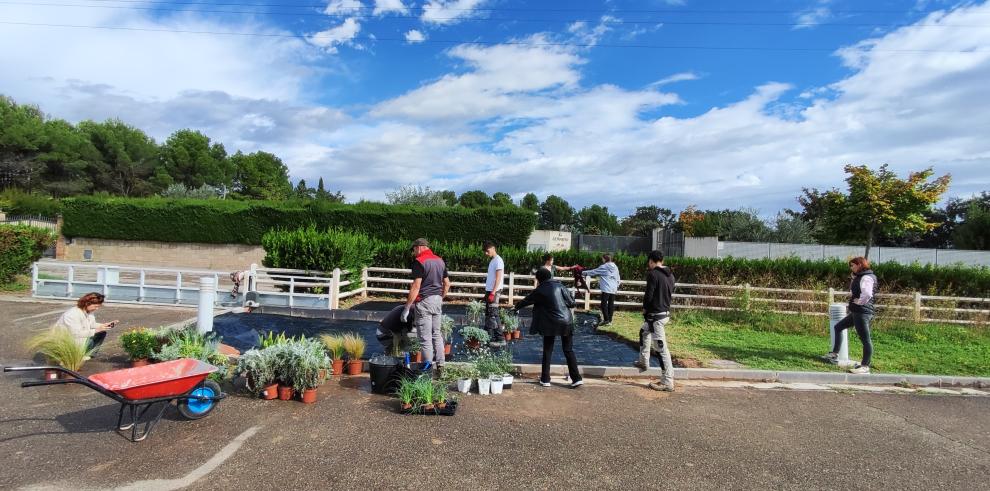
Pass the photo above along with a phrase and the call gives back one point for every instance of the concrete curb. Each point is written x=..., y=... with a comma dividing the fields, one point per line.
x=771, y=376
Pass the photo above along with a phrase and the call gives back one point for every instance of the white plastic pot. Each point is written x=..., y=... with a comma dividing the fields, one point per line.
x=497, y=384
x=464, y=385
x=484, y=386
x=507, y=381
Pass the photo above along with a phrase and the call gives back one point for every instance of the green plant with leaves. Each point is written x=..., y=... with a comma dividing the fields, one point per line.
x=271, y=339
x=414, y=346
x=425, y=390
x=487, y=364
x=406, y=391
x=502, y=363
x=354, y=345
x=471, y=333
x=139, y=343
x=60, y=347
x=320, y=250
x=189, y=343
x=447, y=327
x=475, y=312
x=305, y=367
x=334, y=345
x=510, y=321
x=20, y=246
x=258, y=366
x=440, y=393
x=454, y=371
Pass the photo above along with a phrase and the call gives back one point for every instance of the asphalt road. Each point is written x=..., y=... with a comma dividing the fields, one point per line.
x=603, y=436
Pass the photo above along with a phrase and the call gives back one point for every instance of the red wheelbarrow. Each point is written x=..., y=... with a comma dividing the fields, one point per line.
x=141, y=388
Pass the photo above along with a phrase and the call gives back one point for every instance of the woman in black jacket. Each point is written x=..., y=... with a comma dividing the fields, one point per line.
x=552, y=304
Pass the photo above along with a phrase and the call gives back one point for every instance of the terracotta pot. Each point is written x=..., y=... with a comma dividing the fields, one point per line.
x=406, y=406
x=416, y=357
x=507, y=336
x=428, y=407
x=309, y=396
x=446, y=348
x=140, y=362
x=517, y=334
x=338, y=367
x=285, y=392
x=473, y=344
x=269, y=392
x=354, y=367
x=441, y=405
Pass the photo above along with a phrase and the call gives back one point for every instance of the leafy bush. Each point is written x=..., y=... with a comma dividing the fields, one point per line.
x=354, y=346
x=471, y=333
x=258, y=367
x=189, y=343
x=245, y=222
x=17, y=202
x=139, y=343
x=310, y=249
x=181, y=191
x=20, y=246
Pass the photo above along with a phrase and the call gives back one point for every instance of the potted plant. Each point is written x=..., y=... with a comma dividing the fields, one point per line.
x=335, y=347
x=425, y=390
x=497, y=384
x=61, y=348
x=354, y=345
x=283, y=361
x=406, y=392
x=474, y=337
x=258, y=368
x=484, y=369
x=447, y=329
x=463, y=373
x=271, y=339
x=440, y=396
x=139, y=344
x=510, y=322
x=415, y=349
x=475, y=312
x=306, y=372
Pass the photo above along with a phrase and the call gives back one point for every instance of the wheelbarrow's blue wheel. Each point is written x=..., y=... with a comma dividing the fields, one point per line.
x=197, y=408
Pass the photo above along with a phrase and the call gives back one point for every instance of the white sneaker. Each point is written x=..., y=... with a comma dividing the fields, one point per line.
x=544, y=384
x=577, y=384
x=859, y=369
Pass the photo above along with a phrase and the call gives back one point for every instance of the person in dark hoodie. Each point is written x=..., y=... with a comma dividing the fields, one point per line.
x=862, y=307
x=656, y=315
x=552, y=303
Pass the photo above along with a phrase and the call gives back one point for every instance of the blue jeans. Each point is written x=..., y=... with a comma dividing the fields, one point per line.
x=862, y=323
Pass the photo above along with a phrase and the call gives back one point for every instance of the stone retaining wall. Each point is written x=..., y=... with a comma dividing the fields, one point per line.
x=221, y=257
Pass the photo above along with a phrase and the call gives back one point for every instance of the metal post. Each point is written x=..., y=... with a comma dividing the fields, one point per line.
x=106, y=279
x=71, y=277
x=917, y=307
x=335, y=290
x=207, y=299
x=512, y=287
x=836, y=312
x=141, y=286
x=34, y=279
x=831, y=295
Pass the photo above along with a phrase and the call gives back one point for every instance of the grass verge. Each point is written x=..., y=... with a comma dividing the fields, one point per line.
x=794, y=342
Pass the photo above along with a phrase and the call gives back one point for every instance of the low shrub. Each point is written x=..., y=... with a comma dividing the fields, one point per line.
x=20, y=246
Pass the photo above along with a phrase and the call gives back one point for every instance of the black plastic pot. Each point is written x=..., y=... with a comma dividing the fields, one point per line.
x=385, y=373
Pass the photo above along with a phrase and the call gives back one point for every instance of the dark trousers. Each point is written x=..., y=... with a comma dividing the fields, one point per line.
x=608, y=306
x=567, y=345
x=862, y=324
x=493, y=323
x=96, y=341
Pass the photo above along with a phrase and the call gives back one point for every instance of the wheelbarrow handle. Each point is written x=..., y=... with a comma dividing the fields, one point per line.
x=37, y=383
x=52, y=368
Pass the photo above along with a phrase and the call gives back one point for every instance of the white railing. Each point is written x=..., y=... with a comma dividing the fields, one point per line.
x=317, y=289
x=123, y=283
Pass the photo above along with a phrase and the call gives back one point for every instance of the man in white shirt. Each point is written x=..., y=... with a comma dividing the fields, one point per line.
x=493, y=294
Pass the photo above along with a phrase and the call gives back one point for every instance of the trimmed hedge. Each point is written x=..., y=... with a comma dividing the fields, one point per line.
x=245, y=222
x=309, y=249
x=20, y=246
x=772, y=273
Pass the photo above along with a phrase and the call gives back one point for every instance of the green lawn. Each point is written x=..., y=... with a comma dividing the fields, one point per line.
x=20, y=284
x=794, y=342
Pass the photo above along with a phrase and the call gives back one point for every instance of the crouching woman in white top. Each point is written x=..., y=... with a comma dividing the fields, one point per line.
x=81, y=322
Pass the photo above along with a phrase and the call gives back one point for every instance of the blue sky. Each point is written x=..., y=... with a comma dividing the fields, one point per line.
x=720, y=104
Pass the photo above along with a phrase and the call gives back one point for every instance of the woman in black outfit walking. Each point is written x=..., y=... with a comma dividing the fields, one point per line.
x=862, y=307
x=552, y=303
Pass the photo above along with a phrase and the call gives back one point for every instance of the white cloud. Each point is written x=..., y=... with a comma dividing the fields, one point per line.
x=383, y=7
x=813, y=15
x=336, y=7
x=413, y=36
x=450, y=11
x=342, y=34
x=587, y=35
x=677, y=77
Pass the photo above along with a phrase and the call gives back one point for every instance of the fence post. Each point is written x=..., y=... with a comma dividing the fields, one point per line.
x=106, y=280
x=748, y=293
x=71, y=278
x=364, y=282
x=207, y=300
x=512, y=287
x=178, y=287
x=34, y=279
x=917, y=306
x=141, y=280
x=335, y=290
x=831, y=295
x=292, y=290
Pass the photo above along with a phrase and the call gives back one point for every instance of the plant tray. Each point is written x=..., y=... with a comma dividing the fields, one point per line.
x=447, y=411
